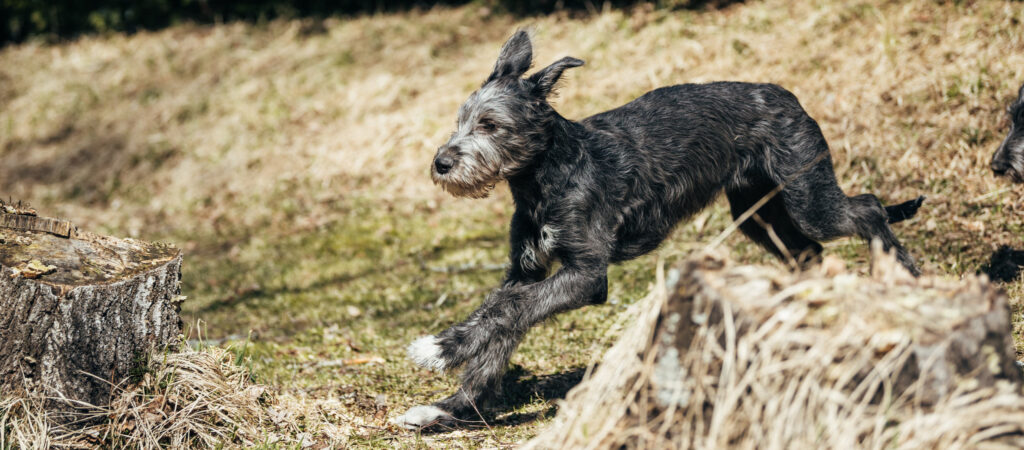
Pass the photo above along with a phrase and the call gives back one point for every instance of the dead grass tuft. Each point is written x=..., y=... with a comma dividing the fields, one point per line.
x=22, y=425
x=188, y=399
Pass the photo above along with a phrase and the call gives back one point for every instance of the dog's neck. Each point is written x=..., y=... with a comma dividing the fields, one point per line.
x=552, y=167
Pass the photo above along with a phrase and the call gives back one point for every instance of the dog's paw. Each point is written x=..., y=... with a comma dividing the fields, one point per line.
x=422, y=416
x=426, y=353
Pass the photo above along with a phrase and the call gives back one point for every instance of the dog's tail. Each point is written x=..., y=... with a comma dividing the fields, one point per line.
x=903, y=211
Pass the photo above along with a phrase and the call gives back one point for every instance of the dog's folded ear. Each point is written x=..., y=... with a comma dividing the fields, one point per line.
x=515, y=57
x=545, y=79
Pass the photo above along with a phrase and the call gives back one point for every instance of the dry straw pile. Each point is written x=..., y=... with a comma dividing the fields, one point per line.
x=189, y=399
x=753, y=357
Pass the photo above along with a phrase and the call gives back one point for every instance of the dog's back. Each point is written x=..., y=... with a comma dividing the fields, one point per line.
x=679, y=146
x=733, y=124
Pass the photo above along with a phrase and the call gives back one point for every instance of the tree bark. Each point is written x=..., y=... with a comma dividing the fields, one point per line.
x=951, y=333
x=79, y=314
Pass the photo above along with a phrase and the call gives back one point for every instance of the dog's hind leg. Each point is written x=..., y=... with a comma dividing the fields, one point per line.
x=771, y=219
x=871, y=222
x=820, y=209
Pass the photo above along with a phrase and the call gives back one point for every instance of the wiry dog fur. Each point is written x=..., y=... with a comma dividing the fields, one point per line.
x=1008, y=160
x=611, y=187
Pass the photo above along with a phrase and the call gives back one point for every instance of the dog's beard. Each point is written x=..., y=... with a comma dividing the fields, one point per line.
x=475, y=174
x=460, y=188
x=468, y=180
x=1016, y=171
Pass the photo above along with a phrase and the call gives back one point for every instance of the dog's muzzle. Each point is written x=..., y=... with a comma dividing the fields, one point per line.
x=443, y=164
x=446, y=159
x=999, y=168
x=1002, y=168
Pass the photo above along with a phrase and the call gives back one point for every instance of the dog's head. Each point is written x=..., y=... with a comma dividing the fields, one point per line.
x=1009, y=159
x=503, y=126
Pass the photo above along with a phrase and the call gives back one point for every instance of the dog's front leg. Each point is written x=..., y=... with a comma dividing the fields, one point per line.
x=452, y=347
x=525, y=266
x=486, y=340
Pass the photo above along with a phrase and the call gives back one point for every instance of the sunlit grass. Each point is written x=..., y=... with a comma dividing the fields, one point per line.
x=289, y=160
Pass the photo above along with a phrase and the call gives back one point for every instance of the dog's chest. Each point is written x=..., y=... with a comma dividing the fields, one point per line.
x=548, y=239
x=539, y=248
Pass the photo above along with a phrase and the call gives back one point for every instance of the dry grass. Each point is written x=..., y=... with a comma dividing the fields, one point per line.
x=289, y=160
x=794, y=361
x=187, y=399
x=22, y=425
x=203, y=121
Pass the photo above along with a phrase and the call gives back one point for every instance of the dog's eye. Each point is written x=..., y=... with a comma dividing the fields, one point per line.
x=486, y=125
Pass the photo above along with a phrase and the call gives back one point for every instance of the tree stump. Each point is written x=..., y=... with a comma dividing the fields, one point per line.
x=733, y=356
x=79, y=312
x=932, y=335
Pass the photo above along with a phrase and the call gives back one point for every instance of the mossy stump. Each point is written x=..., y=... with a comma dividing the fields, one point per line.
x=948, y=333
x=734, y=356
x=79, y=313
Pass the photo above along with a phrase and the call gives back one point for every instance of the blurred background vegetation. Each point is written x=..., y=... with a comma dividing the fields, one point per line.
x=24, y=19
x=288, y=156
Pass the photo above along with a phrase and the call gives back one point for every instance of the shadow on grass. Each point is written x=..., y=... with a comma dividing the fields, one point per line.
x=521, y=388
x=246, y=295
x=425, y=262
x=91, y=165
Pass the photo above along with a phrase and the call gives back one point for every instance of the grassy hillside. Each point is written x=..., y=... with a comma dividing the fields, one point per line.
x=290, y=161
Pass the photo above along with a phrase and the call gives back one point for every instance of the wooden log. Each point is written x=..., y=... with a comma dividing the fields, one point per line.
x=77, y=315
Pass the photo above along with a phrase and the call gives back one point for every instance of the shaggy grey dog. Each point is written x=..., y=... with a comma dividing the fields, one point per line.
x=611, y=187
x=1008, y=160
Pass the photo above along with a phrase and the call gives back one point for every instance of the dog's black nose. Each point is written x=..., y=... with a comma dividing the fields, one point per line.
x=443, y=164
x=1000, y=167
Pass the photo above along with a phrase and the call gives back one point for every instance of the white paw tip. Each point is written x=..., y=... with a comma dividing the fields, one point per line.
x=421, y=416
x=426, y=353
